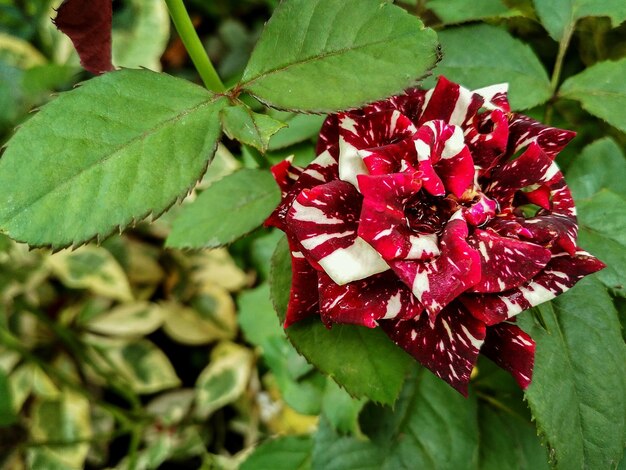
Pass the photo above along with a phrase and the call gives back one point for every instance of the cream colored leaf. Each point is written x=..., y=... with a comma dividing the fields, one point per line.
x=137, y=319
x=225, y=378
x=93, y=268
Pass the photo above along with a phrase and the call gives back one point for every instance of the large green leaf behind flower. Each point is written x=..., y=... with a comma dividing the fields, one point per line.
x=364, y=361
x=578, y=393
x=327, y=55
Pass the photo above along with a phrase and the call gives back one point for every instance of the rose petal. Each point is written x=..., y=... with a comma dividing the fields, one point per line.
x=495, y=96
x=393, y=158
x=533, y=166
x=512, y=349
x=524, y=131
x=487, y=138
x=88, y=25
x=324, y=220
x=436, y=283
x=449, y=347
x=328, y=140
x=303, y=296
x=321, y=170
x=383, y=222
x=505, y=262
x=443, y=158
x=365, y=132
x=364, y=302
x=451, y=103
x=560, y=274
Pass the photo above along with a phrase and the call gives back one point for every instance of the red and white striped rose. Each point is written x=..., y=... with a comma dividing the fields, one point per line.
x=438, y=216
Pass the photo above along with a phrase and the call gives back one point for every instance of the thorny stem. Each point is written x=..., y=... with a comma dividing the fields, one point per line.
x=556, y=73
x=194, y=47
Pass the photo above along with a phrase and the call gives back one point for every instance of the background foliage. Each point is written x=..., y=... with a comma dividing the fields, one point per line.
x=138, y=354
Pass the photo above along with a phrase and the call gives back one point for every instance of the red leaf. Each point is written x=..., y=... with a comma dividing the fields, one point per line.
x=88, y=25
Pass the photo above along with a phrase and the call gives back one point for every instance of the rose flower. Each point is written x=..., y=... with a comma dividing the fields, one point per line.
x=437, y=216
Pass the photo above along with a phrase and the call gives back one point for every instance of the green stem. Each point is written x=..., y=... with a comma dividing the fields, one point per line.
x=194, y=47
x=556, y=73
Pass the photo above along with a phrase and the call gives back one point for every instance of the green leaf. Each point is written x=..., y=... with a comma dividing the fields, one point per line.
x=559, y=16
x=122, y=146
x=256, y=316
x=137, y=319
x=596, y=178
x=507, y=441
x=227, y=210
x=93, y=268
x=225, y=378
x=300, y=389
x=300, y=127
x=482, y=55
x=334, y=451
x=364, y=361
x=325, y=55
x=250, y=128
x=601, y=165
x=602, y=231
x=283, y=453
x=340, y=409
x=578, y=393
x=431, y=426
x=460, y=11
x=141, y=31
x=601, y=89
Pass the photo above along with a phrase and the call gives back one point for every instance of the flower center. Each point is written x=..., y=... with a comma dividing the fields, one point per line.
x=426, y=213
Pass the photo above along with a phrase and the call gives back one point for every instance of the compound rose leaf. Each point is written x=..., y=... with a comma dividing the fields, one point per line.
x=120, y=147
x=601, y=90
x=325, y=55
x=88, y=25
x=578, y=394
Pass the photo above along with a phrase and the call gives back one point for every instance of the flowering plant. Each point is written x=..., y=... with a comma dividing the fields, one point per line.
x=419, y=216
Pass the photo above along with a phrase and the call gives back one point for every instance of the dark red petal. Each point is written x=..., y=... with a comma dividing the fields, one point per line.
x=524, y=130
x=303, y=297
x=321, y=170
x=449, y=347
x=533, y=166
x=560, y=274
x=506, y=262
x=451, y=103
x=393, y=158
x=480, y=211
x=487, y=138
x=436, y=283
x=329, y=137
x=410, y=103
x=512, y=349
x=383, y=222
x=324, y=220
x=88, y=25
x=367, y=132
x=495, y=96
x=364, y=302
x=444, y=159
